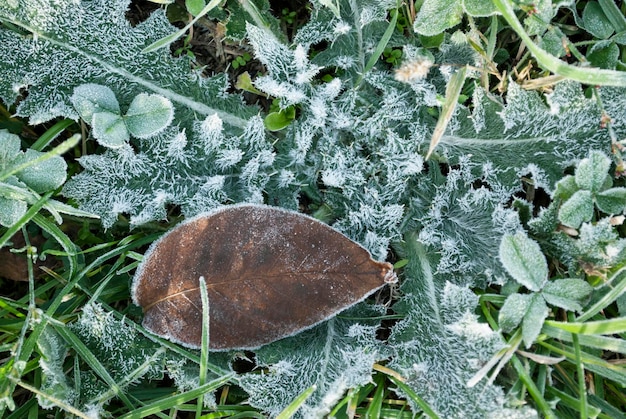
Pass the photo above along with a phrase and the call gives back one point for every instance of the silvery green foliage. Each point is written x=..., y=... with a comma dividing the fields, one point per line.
x=339, y=355
x=166, y=169
x=39, y=177
x=118, y=347
x=463, y=221
x=53, y=351
x=589, y=187
x=146, y=115
x=524, y=261
x=597, y=245
x=543, y=135
x=440, y=338
x=355, y=147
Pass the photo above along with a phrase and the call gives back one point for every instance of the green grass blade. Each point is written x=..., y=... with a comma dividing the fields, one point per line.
x=293, y=407
x=177, y=399
x=382, y=44
x=51, y=133
x=32, y=211
x=414, y=397
x=617, y=288
x=603, y=343
x=580, y=375
x=533, y=390
x=453, y=90
x=601, y=327
x=204, y=349
x=61, y=238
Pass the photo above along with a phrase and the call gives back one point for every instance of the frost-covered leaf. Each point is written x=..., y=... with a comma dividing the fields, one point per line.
x=148, y=115
x=11, y=210
x=9, y=148
x=595, y=21
x=435, y=16
x=591, y=171
x=577, y=209
x=479, y=7
x=604, y=54
x=567, y=293
x=194, y=6
x=598, y=245
x=524, y=261
x=335, y=356
x=91, y=98
x=63, y=54
x=533, y=319
x=440, y=337
x=513, y=310
x=54, y=382
x=527, y=136
x=566, y=187
x=612, y=201
x=109, y=129
x=42, y=176
x=464, y=223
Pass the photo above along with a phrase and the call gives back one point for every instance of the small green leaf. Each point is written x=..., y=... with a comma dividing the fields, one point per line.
x=276, y=121
x=109, y=129
x=604, y=55
x=9, y=147
x=612, y=201
x=11, y=210
x=194, y=6
x=90, y=98
x=566, y=187
x=533, y=319
x=523, y=260
x=577, y=209
x=435, y=16
x=43, y=176
x=513, y=311
x=595, y=21
x=567, y=293
x=148, y=115
x=591, y=171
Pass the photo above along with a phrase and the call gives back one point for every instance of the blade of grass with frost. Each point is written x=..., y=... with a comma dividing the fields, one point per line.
x=618, y=286
x=61, y=238
x=593, y=76
x=293, y=407
x=57, y=402
x=580, y=374
x=600, y=327
x=453, y=90
x=382, y=44
x=204, y=351
x=415, y=397
x=178, y=399
x=167, y=40
x=602, y=343
x=50, y=134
